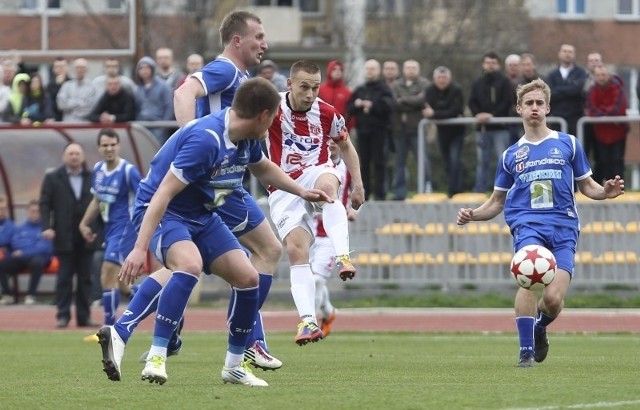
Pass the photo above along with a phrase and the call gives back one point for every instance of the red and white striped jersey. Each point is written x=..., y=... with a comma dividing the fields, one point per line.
x=300, y=139
x=344, y=193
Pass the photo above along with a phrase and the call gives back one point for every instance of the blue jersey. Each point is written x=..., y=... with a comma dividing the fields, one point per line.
x=539, y=180
x=115, y=190
x=220, y=79
x=200, y=155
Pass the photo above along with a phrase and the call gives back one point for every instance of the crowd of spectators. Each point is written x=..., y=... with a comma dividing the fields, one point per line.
x=383, y=112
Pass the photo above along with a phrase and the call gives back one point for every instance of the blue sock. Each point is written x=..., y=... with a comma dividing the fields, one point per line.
x=240, y=321
x=171, y=306
x=542, y=321
x=525, y=332
x=110, y=302
x=144, y=302
x=264, y=284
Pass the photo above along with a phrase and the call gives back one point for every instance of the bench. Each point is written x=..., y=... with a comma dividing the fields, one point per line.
x=51, y=269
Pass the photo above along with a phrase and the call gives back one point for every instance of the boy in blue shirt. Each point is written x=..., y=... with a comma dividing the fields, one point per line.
x=534, y=186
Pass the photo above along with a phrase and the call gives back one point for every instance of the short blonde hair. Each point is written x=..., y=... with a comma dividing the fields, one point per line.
x=536, y=84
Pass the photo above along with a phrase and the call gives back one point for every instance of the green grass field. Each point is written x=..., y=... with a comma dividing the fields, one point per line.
x=54, y=370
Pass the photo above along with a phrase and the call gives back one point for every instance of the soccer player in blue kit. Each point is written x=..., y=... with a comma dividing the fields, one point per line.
x=534, y=186
x=204, y=92
x=173, y=216
x=114, y=181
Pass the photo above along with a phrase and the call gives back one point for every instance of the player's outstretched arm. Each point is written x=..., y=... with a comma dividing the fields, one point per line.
x=184, y=100
x=133, y=264
x=611, y=189
x=269, y=173
x=488, y=210
x=351, y=160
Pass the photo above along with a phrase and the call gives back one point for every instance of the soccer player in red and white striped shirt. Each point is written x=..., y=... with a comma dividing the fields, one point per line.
x=299, y=142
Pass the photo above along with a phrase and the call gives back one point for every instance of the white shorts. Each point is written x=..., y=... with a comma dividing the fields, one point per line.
x=322, y=257
x=289, y=211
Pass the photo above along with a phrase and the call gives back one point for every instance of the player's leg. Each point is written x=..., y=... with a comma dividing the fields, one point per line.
x=563, y=244
x=303, y=285
x=235, y=268
x=322, y=260
x=526, y=300
x=525, y=306
x=183, y=258
x=336, y=224
x=110, y=290
x=292, y=218
x=265, y=252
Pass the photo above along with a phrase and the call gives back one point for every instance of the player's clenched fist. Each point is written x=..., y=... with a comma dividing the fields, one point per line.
x=465, y=215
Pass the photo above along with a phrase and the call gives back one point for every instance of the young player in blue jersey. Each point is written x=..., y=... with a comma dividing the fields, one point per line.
x=534, y=186
x=114, y=181
x=244, y=42
x=190, y=176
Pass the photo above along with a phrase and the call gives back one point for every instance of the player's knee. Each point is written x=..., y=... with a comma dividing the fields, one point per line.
x=553, y=301
x=191, y=267
x=271, y=252
x=244, y=280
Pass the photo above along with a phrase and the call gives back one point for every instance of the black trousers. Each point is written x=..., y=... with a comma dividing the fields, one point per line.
x=15, y=264
x=75, y=263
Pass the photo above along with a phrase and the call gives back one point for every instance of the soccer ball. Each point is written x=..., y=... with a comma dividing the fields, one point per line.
x=533, y=267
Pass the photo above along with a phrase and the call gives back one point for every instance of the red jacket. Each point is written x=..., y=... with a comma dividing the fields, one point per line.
x=335, y=92
x=608, y=100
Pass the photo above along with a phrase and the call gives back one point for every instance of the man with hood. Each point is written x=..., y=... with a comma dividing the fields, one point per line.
x=18, y=99
x=334, y=91
x=154, y=99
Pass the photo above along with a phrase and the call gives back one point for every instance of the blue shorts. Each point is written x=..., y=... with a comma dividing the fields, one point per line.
x=560, y=240
x=240, y=212
x=119, y=239
x=212, y=238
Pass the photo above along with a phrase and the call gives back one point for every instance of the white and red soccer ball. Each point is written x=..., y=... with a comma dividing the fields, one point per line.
x=533, y=267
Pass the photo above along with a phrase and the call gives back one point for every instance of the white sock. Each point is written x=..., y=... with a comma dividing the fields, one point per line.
x=232, y=360
x=327, y=307
x=157, y=351
x=303, y=289
x=320, y=281
x=334, y=219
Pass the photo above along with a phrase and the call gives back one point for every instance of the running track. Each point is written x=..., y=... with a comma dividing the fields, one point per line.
x=42, y=318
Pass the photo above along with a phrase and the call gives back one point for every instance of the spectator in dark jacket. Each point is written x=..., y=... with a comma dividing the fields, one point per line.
x=607, y=98
x=117, y=104
x=64, y=196
x=491, y=96
x=29, y=250
x=567, y=83
x=372, y=106
x=59, y=75
x=444, y=100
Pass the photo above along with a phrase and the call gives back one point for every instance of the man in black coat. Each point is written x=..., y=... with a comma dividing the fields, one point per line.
x=372, y=106
x=491, y=96
x=443, y=100
x=64, y=197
